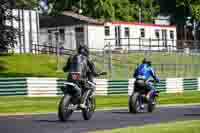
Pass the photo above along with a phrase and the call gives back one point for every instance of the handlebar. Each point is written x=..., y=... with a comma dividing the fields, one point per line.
x=92, y=84
x=102, y=73
x=152, y=81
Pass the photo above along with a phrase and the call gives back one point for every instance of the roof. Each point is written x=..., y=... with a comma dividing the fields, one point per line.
x=67, y=19
x=83, y=18
x=142, y=24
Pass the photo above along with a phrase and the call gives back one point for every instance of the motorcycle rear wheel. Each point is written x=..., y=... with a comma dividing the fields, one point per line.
x=134, y=103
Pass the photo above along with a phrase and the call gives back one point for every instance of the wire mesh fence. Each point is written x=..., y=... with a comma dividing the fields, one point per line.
x=180, y=60
x=120, y=61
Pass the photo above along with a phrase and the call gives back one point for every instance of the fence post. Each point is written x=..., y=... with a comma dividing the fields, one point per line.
x=110, y=61
x=139, y=43
x=57, y=52
x=150, y=44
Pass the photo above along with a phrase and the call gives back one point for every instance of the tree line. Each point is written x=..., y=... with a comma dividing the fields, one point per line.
x=109, y=10
x=124, y=10
x=7, y=32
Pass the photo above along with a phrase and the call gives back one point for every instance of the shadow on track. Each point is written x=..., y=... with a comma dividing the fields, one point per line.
x=55, y=121
x=192, y=115
x=121, y=112
x=128, y=113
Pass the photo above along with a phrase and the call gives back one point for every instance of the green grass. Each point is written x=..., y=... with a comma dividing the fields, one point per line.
x=167, y=70
x=28, y=65
x=174, y=127
x=19, y=104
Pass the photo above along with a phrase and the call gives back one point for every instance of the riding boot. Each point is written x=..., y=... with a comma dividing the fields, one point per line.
x=84, y=98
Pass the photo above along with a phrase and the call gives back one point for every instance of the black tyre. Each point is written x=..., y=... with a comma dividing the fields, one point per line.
x=134, y=103
x=63, y=110
x=130, y=107
x=151, y=104
x=89, y=111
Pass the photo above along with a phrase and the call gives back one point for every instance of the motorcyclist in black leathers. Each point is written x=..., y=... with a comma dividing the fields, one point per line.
x=86, y=67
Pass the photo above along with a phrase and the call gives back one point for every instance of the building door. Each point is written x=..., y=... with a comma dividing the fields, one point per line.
x=164, y=38
x=79, y=35
x=53, y=41
x=117, y=36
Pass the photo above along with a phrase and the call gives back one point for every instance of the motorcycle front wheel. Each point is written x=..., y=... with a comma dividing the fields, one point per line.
x=64, y=112
x=89, y=111
x=151, y=104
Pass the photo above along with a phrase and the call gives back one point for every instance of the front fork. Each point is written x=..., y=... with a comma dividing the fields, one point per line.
x=86, y=95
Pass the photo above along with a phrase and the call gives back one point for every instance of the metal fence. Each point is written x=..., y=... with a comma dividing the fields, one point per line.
x=180, y=60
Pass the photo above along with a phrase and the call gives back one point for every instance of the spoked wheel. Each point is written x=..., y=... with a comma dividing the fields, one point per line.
x=89, y=111
x=134, y=103
x=151, y=104
x=65, y=110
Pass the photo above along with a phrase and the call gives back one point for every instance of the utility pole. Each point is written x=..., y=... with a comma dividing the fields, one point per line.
x=80, y=7
x=151, y=9
x=140, y=16
x=140, y=10
x=194, y=29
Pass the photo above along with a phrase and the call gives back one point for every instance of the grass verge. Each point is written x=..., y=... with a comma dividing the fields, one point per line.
x=42, y=65
x=175, y=127
x=19, y=104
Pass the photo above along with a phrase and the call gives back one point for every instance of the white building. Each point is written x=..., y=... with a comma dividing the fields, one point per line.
x=70, y=30
x=27, y=23
x=139, y=36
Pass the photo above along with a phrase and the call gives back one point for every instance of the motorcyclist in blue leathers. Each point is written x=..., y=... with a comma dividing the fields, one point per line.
x=144, y=72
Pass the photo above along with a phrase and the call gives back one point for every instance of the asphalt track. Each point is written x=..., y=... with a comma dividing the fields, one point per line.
x=48, y=123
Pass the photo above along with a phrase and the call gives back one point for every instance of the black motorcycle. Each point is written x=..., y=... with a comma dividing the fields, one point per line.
x=74, y=92
x=142, y=95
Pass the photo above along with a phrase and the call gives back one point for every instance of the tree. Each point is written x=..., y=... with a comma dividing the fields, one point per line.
x=124, y=10
x=195, y=8
x=181, y=9
x=7, y=33
x=150, y=10
x=102, y=9
x=196, y=11
x=58, y=6
x=29, y=4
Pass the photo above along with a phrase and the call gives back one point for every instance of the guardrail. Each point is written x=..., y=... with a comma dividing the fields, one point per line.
x=13, y=86
x=51, y=86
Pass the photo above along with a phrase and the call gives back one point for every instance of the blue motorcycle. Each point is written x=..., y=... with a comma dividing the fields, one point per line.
x=142, y=95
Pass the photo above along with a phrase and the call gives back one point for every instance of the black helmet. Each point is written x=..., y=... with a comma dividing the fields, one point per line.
x=83, y=49
x=146, y=61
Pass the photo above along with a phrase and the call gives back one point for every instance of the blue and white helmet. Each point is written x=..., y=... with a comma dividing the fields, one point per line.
x=43, y=6
x=146, y=61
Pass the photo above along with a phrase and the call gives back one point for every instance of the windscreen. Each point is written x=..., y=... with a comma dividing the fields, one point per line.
x=77, y=64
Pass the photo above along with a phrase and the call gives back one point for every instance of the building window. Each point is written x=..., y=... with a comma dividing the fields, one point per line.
x=142, y=32
x=62, y=34
x=126, y=32
x=79, y=29
x=107, y=31
x=157, y=33
x=172, y=35
x=49, y=36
